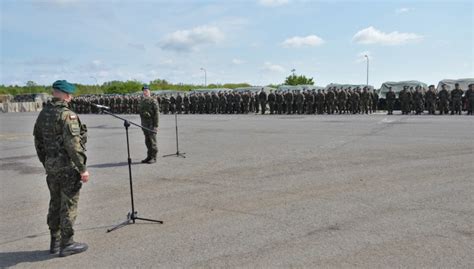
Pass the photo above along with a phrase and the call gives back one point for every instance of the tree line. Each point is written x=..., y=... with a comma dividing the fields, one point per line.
x=132, y=86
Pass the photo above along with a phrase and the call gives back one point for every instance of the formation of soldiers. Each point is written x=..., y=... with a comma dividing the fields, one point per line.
x=332, y=101
x=416, y=101
x=23, y=98
x=311, y=101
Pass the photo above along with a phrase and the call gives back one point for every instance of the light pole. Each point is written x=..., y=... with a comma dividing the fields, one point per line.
x=205, y=76
x=366, y=56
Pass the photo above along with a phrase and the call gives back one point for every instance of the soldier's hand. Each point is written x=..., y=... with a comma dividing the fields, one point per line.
x=155, y=129
x=85, y=176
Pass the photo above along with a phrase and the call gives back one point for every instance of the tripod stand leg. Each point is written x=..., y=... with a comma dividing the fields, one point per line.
x=152, y=220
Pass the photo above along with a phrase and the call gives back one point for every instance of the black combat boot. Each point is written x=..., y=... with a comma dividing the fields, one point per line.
x=151, y=160
x=73, y=248
x=54, y=245
x=146, y=160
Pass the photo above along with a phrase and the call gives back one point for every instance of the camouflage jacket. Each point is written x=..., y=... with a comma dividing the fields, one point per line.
x=60, y=138
x=149, y=110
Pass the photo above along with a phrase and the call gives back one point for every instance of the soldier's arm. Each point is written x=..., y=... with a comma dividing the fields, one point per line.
x=72, y=141
x=40, y=151
x=156, y=117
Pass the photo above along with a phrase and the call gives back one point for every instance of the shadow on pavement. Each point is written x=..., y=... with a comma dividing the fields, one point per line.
x=108, y=165
x=8, y=259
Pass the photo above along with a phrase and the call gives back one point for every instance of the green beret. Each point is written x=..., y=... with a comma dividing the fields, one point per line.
x=64, y=86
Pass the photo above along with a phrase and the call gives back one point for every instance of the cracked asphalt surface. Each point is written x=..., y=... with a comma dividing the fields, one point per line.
x=255, y=191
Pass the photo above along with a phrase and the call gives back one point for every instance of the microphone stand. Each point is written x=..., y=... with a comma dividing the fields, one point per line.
x=132, y=216
x=177, y=154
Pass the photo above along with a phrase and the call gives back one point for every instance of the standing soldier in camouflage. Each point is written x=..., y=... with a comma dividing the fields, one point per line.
x=149, y=116
x=404, y=96
x=320, y=100
x=309, y=98
x=193, y=107
x=288, y=101
x=279, y=102
x=245, y=102
x=431, y=100
x=186, y=103
x=390, y=100
x=375, y=100
x=418, y=101
x=470, y=99
x=262, y=98
x=299, y=100
x=341, y=101
x=172, y=104
x=364, y=100
x=179, y=103
x=456, y=97
x=60, y=140
x=271, y=101
x=443, y=96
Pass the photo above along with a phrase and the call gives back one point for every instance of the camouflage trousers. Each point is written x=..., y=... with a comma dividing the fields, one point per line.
x=150, y=142
x=64, y=190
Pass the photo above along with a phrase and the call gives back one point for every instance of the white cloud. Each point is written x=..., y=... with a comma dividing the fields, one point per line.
x=273, y=68
x=302, y=41
x=402, y=10
x=187, y=40
x=273, y=3
x=371, y=35
x=237, y=61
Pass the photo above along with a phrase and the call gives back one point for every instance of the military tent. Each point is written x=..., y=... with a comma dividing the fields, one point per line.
x=398, y=86
x=463, y=83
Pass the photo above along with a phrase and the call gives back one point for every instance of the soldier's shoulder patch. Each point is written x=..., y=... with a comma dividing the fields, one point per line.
x=72, y=116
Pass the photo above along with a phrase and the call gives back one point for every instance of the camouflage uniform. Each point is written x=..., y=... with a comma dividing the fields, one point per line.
x=456, y=97
x=431, y=101
x=390, y=99
x=149, y=115
x=470, y=99
x=443, y=96
x=60, y=140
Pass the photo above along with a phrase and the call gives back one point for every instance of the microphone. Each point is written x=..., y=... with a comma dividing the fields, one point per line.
x=100, y=106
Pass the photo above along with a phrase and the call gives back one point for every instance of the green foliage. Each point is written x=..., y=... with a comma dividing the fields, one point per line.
x=298, y=80
x=120, y=87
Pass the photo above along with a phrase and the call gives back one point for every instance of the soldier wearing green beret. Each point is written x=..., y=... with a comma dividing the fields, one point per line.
x=60, y=140
x=149, y=113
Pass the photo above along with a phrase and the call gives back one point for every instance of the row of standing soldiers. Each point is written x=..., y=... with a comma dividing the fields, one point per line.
x=225, y=102
x=416, y=100
x=279, y=102
x=311, y=101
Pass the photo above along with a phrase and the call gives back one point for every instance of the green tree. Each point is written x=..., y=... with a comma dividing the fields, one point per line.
x=298, y=80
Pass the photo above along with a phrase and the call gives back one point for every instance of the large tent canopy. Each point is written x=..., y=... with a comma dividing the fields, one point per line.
x=463, y=83
x=398, y=86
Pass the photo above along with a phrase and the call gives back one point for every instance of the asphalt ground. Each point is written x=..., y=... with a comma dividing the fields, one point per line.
x=332, y=191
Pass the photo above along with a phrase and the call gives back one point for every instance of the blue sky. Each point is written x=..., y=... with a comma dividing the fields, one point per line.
x=254, y=41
